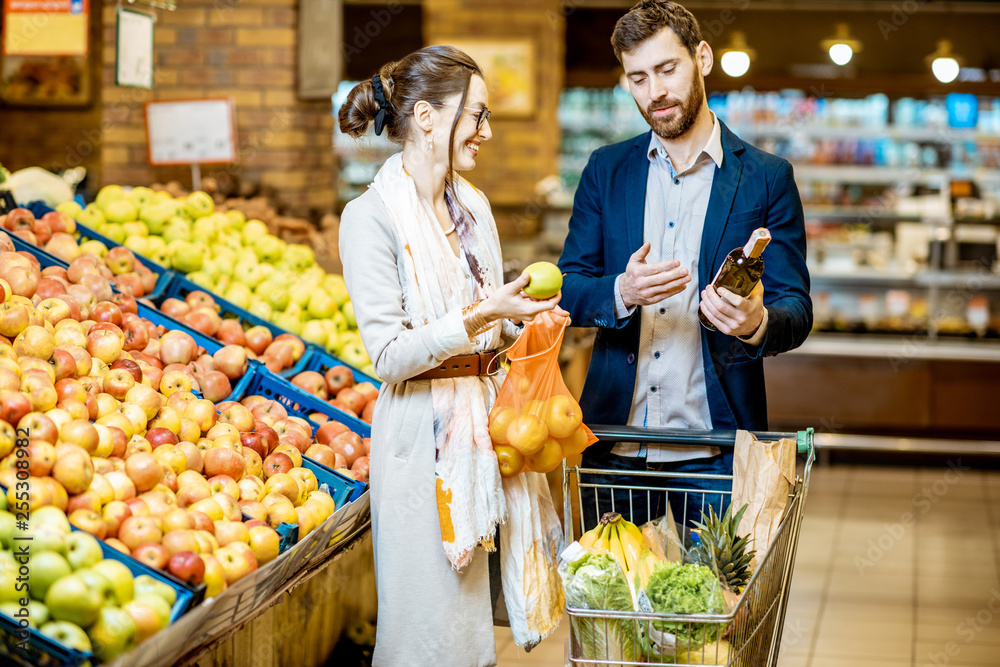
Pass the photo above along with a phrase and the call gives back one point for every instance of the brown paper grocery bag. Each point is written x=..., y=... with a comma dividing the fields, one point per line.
x=763, y=474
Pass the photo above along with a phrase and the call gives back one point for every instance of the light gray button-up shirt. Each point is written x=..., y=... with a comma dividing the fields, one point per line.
x=670, y=389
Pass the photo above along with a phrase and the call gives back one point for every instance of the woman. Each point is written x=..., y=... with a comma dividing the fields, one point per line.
x=422, y=263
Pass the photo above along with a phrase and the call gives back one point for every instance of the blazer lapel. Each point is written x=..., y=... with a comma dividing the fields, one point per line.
x=720, y=203
x=635, y=195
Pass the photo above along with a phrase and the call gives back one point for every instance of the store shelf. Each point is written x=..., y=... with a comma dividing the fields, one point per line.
x=918, y=134
x=910, y=347
x=875, y=175
x=965, y=280
x=857, y=213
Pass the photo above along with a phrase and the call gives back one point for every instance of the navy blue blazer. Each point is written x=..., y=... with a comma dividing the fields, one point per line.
x=750, y=190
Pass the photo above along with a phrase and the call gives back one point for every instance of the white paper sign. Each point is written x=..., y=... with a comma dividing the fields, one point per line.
x=134, y=64
x=191, y=131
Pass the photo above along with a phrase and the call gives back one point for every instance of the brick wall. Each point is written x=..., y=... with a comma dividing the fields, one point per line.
x=245, y=50
x=522, y=152
x=53, y=138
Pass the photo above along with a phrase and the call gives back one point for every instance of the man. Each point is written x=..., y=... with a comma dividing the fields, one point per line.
x=653, y=219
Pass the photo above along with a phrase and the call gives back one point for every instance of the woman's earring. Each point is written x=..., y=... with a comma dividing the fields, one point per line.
x=430, y=143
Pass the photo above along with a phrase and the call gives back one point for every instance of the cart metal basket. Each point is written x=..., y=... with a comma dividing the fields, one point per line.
x=752, y=629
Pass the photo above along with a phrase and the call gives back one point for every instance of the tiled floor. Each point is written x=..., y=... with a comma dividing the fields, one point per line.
x=896, y=567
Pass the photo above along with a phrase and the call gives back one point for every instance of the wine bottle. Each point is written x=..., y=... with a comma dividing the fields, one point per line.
x=742, y=269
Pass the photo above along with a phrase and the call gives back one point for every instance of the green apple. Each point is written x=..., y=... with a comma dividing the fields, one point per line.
x=68, y=634
x=275, y=293
x=140, y=196
x=8, y=524
x=211, y=268
x=147, y=584
x=339, y=322
x=137, y=244
x=205, y=229
x=545, y=280
x=156, y=243
x=239, y=294
x=155, y=216
x=200, y=278
x=297, y=257
x=48, y=537
x=226, y=256
x=354, y=354
x=47, y=567
x=162, y=196
x=268, y=248
x=176, y=229
x=70, y=208
x=98, y=582
x=83, y=550
x=348, y=310
x=120, y=577
x=369, y=370
x=121, y=211
x=3, y=501
x=235, y=219
x=92, y=216
x=199, y=204
x=52, y=516
x=248, y=273
x=36, y=613
x=289, y=322
x=159, y=604
x=135, y=229
x=301, y=291
x=10, y=589
x=109, y=194
x=115, y=232
x=114, y=633
x=186, y=256
x=222, y=283
x=332, y=341
x=94, y=247
x=337, y=289
x=260, y=308
x=267, y=271
x=252, y=230
x=314, y=332
x=160, y=255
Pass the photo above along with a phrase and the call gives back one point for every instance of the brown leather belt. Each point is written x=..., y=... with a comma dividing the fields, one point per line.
x=463, y=365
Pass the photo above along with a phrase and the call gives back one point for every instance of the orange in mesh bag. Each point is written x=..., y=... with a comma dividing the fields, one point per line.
x=535, y=422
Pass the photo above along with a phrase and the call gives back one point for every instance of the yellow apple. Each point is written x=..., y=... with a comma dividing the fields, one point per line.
x=499, y=424
x=547, y=458
x=527, y=433
x=563, y=416
x=511, y=461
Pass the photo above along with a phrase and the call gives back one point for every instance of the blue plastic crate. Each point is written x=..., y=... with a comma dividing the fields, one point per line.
x=319, y=360
x=42, y=650
x=180, y=287
x=164, y=275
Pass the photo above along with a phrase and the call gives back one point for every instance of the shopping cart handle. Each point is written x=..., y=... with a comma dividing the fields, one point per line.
x=693, y=438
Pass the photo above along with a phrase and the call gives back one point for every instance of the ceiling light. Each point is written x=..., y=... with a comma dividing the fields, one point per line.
x=841, y=46
x=944, y=64
x=736, y=57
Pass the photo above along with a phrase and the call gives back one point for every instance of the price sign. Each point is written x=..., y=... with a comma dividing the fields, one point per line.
x=191, y=131
x=45, y=27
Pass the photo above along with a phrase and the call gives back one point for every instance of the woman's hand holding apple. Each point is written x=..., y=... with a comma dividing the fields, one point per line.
x=512, y=303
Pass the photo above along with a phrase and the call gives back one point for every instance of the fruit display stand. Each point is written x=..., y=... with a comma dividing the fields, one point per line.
x=289, y=612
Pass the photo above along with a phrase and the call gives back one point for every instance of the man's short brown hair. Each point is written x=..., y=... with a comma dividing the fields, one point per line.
x=647, y=18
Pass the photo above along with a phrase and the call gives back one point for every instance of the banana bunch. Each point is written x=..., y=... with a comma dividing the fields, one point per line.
x=624, y=541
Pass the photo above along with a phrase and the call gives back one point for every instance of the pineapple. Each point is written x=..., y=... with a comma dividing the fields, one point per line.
x=722, y=550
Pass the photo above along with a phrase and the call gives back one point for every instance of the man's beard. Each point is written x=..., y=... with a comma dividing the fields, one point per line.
x=679, y=122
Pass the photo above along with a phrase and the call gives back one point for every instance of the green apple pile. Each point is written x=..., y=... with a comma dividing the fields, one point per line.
x=74, y=595
x=233, y=257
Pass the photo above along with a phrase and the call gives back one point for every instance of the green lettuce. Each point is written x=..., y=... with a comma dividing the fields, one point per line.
x=596, y=581
x=674, y=588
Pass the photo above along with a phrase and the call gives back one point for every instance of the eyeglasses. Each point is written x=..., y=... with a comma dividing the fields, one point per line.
x=481, y=117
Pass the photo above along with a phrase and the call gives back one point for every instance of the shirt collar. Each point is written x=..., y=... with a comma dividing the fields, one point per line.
x=712, y=148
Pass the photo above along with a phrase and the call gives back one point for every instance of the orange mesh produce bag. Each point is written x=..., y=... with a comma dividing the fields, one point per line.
x=535, y=422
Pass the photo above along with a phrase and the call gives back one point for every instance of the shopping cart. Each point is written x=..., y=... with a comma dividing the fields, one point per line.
x=752, y=629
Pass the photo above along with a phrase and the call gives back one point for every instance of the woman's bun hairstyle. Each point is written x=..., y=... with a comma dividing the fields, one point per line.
x=360, y=108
